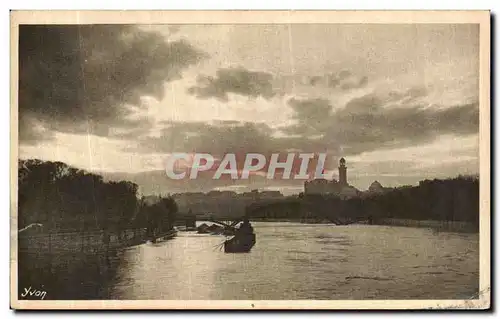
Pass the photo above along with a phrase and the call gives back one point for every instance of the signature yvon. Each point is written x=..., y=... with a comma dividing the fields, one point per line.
x=34, y=292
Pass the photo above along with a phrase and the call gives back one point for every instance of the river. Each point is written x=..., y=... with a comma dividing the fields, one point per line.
x=301, y=261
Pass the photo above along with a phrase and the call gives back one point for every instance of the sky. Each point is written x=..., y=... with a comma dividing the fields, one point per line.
x=399, y=102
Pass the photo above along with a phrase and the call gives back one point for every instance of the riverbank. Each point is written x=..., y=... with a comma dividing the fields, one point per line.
x=67, y=275
x=439, y=225
x=292, y=220
x=444, y=225
x=74, y=265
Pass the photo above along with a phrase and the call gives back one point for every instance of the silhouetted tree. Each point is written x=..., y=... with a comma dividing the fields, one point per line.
x=60, y=196
x=159, y=217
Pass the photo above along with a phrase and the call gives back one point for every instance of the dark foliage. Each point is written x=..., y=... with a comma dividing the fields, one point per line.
x=455, y=199
x=157, y=218
x=63, y=197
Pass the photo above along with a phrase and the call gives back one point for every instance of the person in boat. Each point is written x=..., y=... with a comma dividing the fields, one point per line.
x=245, y=227
x=243, y=240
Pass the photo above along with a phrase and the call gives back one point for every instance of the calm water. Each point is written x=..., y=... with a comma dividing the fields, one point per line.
x=298, y=261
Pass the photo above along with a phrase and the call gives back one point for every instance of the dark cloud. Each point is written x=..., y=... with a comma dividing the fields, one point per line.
x=31, y=131
x=223, y=137
x=131, y=128
x=370, y=122
x=215, y=138
x=365, y=124
x=408, y=121
x=343, y=80
x=219, y=139
x=86, y=78
x=312, y=116
x=239, y=81
x=312, y=110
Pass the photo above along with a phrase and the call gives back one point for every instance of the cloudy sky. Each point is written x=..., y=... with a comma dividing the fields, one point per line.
x=399, y=102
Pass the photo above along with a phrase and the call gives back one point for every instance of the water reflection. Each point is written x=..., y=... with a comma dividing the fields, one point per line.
x=297, y=261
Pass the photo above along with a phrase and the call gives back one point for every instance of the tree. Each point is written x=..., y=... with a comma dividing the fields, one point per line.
x=158, y=217
x=170, y=209
x=62, y=196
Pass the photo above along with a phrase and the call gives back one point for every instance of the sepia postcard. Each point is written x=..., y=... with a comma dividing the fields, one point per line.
x=250, y=160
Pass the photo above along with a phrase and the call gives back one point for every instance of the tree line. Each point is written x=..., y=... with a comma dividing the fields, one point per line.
x=452, y=199
x=63, y=197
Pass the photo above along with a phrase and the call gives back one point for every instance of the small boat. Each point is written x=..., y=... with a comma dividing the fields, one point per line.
x=203, y=229
x=183, y=229
x=241, y=243
x=243, y=237
x=165, y=236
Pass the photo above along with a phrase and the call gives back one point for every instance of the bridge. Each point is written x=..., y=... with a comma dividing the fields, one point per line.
x=311, y=209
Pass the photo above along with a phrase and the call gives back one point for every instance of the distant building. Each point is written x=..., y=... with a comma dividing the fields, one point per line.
x=270, y=195
x=225, y=203
x=376, y=187
x=340, y=188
